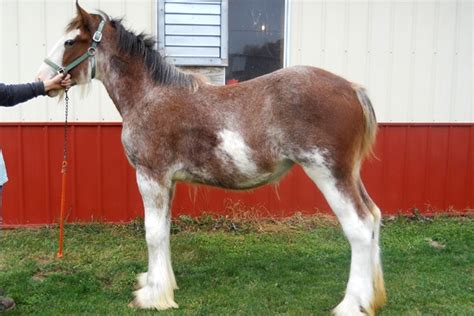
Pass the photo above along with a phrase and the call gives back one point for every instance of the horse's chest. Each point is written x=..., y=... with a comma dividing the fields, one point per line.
x=130, y=144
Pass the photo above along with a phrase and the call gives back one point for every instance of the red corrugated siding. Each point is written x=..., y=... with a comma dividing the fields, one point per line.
x=428, y=166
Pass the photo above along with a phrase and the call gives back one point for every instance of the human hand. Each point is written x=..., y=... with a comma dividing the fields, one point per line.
x=58, y=82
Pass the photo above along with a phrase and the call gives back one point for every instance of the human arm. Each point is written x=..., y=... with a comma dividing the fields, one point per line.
x=11, y=95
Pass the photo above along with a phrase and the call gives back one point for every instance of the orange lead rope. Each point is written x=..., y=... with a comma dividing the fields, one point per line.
x=63, y=182
x=63, y=203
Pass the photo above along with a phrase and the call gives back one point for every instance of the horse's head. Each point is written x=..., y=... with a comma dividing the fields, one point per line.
x=78, y=52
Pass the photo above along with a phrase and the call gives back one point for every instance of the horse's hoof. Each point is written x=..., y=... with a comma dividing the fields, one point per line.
x=147, y=298
x=349, y=307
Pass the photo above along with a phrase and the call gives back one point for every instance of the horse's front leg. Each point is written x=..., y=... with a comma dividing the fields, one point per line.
x=157, y=285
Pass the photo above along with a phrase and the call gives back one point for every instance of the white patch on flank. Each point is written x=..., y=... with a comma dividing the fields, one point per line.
x=233, y=145
x=159, y=282
x=56, y=55
x=358, y=231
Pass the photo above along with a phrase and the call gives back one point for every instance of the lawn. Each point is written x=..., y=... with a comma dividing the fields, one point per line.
x=298, y=267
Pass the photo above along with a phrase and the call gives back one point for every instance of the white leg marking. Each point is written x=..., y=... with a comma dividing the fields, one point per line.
x=142, y=279
x=159, y=282
x=359, y=292
x=380, y=296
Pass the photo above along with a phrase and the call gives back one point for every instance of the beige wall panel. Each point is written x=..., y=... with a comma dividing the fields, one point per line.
x=9, y=72
x=463, y=64
x=30, y=28
x=380, y=70
x=33, y=18
x=423, y=70
x=358, y=30
x=57, y=13
x=415, y=57
x=444, y=57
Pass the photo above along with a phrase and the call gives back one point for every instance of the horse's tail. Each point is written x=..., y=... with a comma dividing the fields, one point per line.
x=370, y=121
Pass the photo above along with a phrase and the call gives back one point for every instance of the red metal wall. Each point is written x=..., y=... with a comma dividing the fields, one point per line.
x=427, y=166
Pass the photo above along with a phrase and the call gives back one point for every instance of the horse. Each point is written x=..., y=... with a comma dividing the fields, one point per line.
x=178, y=127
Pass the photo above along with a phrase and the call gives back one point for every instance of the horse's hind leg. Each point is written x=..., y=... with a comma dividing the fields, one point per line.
x=158, y=283
x=360, y=220
x=380, y=296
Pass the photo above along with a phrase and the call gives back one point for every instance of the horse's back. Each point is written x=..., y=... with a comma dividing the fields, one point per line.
x=309, y=105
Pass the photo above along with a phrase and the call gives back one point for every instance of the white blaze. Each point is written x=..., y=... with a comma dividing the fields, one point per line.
x=56, y=55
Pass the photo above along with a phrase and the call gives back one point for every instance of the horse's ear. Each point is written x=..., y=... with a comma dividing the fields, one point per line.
x=84, y=16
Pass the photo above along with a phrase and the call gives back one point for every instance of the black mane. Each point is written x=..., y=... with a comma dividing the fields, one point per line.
x=142, y=46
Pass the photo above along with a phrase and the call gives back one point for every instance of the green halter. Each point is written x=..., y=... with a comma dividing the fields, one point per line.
x=96, y=38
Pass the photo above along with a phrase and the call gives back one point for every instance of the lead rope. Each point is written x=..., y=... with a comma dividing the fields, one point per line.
x=63, y=182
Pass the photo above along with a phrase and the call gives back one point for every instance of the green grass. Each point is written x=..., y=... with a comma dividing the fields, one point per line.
x=296, y=270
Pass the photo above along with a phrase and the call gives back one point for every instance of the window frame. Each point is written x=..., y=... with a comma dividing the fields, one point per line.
x=194, y=60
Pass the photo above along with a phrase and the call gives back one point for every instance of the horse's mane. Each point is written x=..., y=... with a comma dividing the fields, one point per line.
x=142, y=47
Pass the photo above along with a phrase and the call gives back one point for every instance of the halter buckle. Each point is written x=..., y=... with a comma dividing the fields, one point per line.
x=91, y=51
x=61, y=71
x=97, y=36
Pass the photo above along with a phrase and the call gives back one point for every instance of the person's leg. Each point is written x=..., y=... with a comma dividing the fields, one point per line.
x=6, y=303
x=1, y=212
x=3, y=180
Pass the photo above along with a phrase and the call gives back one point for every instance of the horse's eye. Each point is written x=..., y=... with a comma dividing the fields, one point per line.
x=69, y=42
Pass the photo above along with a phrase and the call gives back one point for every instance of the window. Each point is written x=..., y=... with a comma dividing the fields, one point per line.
x=193, y=32
x=247, y=36
x=256, y=35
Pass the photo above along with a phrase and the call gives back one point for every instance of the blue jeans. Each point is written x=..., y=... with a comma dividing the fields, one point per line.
x=1, y=212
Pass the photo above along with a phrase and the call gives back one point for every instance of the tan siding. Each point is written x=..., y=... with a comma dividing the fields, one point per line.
x=29, y=29
x=10, y=52
x=415, y=57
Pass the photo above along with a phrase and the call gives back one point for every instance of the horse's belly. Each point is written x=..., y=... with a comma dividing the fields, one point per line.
x=233, y=179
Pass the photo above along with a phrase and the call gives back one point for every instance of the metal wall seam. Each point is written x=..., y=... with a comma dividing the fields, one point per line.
x=454, y=77
x=100, y=204
x=45, y=50
x=447, y=165
x=21, y=176
x=470, y=169
x=323, y=33
x=47, y=175
x=18, y=47
x=388, y=97
x=434, y=67
x=409, y=107
x=368, y=43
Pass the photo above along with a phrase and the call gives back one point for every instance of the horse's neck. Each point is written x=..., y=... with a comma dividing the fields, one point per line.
x=125, y=88
x=128, y=84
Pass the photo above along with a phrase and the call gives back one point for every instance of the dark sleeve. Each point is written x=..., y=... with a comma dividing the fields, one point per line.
x=16, y=93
